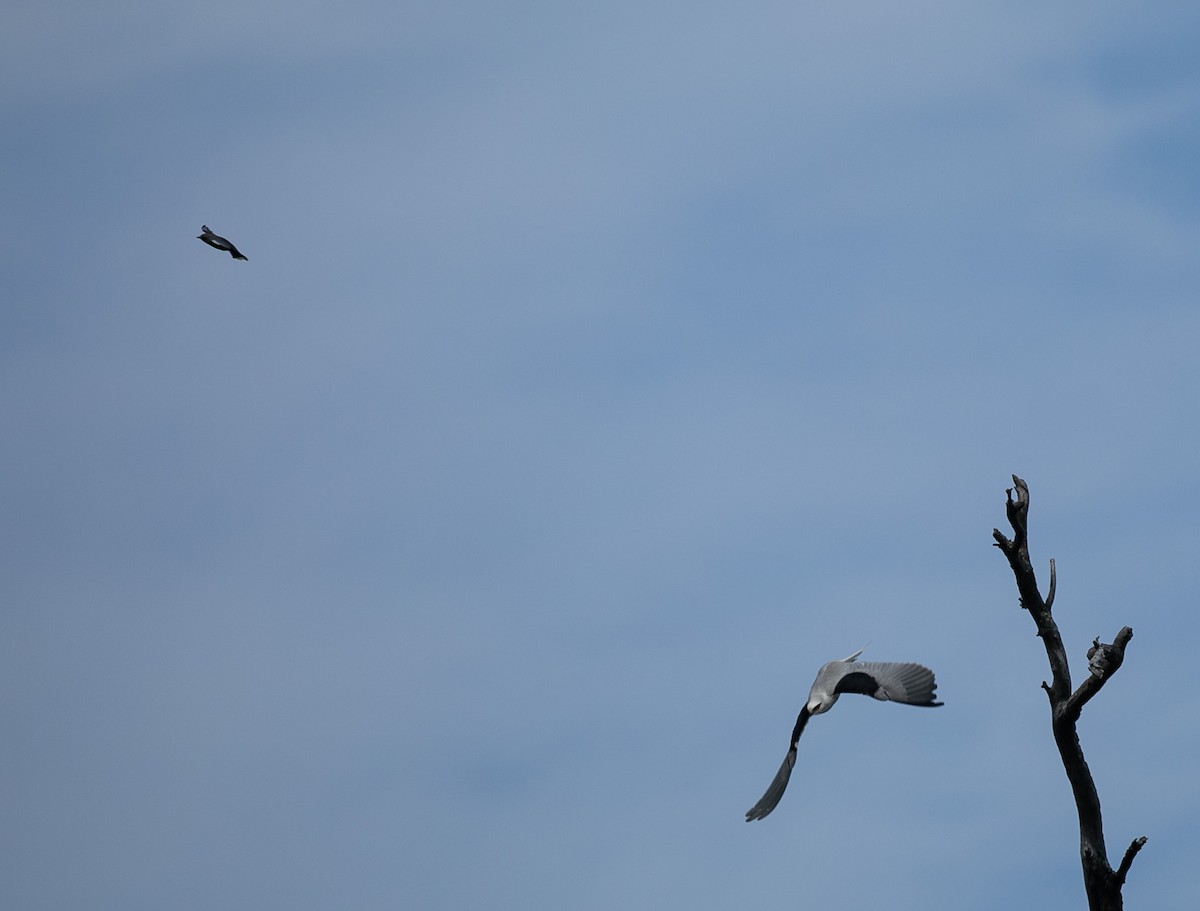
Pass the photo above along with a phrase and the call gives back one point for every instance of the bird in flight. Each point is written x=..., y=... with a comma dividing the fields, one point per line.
x=216, y=240
x=912, y=684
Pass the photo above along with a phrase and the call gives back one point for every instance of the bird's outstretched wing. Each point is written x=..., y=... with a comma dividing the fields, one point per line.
x=770, y=799
x=220, y=243
x=912, y=684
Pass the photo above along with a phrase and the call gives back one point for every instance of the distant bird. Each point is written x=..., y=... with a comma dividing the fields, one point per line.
x=909, y=683
x=216, y=240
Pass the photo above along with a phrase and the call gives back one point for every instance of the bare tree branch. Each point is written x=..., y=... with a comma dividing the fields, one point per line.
x=1102, y=883
x=1127, y=860
x=1103, y=661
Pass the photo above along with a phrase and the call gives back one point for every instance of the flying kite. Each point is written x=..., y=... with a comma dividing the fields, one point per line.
x=216, y=240
x=912, y=684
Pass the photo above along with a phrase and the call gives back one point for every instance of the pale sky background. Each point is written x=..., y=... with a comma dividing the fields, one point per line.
x=598, y=371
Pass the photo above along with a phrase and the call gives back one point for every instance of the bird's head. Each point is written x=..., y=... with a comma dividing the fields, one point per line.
x=822, y=703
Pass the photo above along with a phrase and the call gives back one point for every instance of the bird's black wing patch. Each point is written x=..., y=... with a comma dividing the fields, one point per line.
x=801, y=721
x=770, y=799
x=857, y=682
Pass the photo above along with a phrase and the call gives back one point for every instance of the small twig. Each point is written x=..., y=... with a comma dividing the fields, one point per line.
x=1053, y=585
x=1127, y=861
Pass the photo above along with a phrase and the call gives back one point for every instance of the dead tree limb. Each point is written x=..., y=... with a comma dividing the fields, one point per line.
x=1102, y=883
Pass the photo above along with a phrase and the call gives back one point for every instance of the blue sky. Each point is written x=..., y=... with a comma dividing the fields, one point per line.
x=596, y=374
